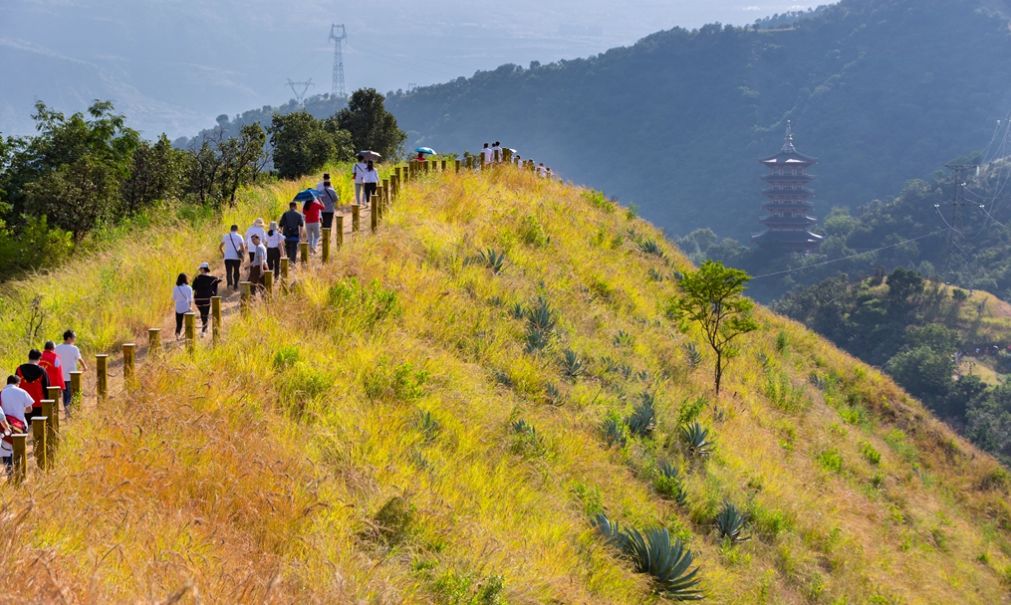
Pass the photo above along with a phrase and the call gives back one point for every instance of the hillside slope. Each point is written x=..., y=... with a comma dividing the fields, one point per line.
x=880, y=91
x=357, y=439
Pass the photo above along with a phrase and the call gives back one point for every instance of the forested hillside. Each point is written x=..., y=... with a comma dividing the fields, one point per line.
x=880, y=91
x=443, y=412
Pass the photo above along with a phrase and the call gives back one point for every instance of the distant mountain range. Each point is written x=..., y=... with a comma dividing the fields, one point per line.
x=880, y=91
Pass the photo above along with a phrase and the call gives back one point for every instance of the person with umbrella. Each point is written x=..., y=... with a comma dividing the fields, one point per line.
x=371, y=181
x=357, y=172
x=422, y=152
x=312, y=210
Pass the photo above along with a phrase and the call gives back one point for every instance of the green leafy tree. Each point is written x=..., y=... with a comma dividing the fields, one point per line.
x=157, y=174
x=713, y=298
x=923, y=371
x=302, y=144
x=370, y=125
x=216, y=170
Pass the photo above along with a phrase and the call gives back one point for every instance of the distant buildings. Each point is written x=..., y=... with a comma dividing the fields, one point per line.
x=789, y=222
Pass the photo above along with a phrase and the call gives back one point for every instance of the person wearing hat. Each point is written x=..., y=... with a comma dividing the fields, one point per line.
x=273, y=243
x=205, y=287
x=257, y=264
x=255, y=229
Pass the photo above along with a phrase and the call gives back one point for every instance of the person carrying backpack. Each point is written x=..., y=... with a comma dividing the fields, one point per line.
x=205, y=287
x=330, y=200
x=34, y=380
x=232, y=247
x=291, y=224
x=15, y=402
x=52, y=364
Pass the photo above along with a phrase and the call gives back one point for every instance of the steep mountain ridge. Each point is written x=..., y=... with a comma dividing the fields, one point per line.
x=388, y=431
x=677, y=121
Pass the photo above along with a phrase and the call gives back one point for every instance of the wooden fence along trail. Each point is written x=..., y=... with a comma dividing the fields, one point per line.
x=121, y=368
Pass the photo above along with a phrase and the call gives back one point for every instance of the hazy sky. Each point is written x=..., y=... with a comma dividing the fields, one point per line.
x=173, y=65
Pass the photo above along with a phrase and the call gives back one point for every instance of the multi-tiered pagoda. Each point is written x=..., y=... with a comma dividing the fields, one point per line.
x=789, y=221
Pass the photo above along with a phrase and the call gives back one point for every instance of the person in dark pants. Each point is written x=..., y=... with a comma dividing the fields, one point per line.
x=259, y=264
x=205, y=287
x=182, y=298
x=232, y=247
x=330, y=198
x=291, y=226
x=71, y=360
x=371, y=181
x=34, y=380
x=273, y=243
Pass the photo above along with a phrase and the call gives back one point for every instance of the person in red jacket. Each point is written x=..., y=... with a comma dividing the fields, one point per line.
x=35, y=381
x=52, y=364
x=313, y=210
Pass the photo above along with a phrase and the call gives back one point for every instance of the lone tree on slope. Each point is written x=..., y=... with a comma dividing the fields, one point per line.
x=712, y=297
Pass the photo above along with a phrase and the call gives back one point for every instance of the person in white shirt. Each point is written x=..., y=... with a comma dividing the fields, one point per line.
x=15, y=402
x=255, y=229
x=488, y=154
x=542, y=171
x=257, y=264
x=71, y=357
x=273, y=243
x=182, y=296
x=233, y=247
x=496, y=152
x=371, y=181
x=358, y=172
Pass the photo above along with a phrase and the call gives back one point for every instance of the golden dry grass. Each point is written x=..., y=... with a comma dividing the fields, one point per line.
x=352, y=442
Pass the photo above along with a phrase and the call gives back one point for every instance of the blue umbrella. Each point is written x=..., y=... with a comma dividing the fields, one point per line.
x=308, y=194
x=426, y=150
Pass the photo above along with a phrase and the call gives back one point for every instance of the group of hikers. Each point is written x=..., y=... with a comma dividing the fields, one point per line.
x=494, y=153
x=21, y=398
x=261, y=245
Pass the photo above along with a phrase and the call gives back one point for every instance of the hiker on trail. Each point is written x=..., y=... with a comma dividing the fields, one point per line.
x=488, y=154
x=15, y=402
x=312, y=210
x=273, y=243
x=420, y=157
x=542, y=171
x=323, y=181
x=70, y=357
x=358, y=173
x=233, y=247
x=371, y=181
x=182, y=295
x=255, y=229
x=496, y=152
x=331, y=199
x=205, y=287
x=34, y=380
x=258, y=265
x=52, y=364
x=291, y=227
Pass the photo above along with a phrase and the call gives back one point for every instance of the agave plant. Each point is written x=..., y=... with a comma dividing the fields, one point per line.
x=429, y=425
x=572, y=365
x=668, y=483
x=667, y=562
x=730, y=523
x=650, y=246
x=541, y=322
x=643, y=418
x=693, y=355
x=696, y=440
x=493, y=260
x=623, y=339
x=553, y=394
x=614, y=431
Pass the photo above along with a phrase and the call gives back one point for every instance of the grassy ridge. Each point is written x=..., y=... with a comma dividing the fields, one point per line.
x=356, y=441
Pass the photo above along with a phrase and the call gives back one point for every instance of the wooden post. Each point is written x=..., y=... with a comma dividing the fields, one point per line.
x=102, y=363
x=481, y=157
x=426, y=163
x=216, y=319
x=19, y=441
x=153, y=341
x=470, y=162
x=507, y=156
x=340, y=230
x=356, y=213
x=245, y=294
x=56, y=395
x=268, y=284
x=397, y=171
x=39, y=443
x=374, y=214
x=190, y=324
x=76, y=395
x=50, y=407
x=284, y=271
x=303, y=248
x=129, y=350
x=386, y=189
x=326, y=244
x=444, y=165
x=456, y=164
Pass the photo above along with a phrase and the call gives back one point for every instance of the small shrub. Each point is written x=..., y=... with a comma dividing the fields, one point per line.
x=830, y=460
x=623, y=339
x=692, y=355
x=526, y=441
x=541, y=322
x=601, y=289
x=517, y=311
x=654, y=275
x=453, y=588
x=869, y=453
x=696, y=440
x=668, y=483
x=397, y=383
x=599, y=201
x=285, y=357
x=650, y=246
x=643, y=418
x=781, y=342
x=667, y=562
x=572, y=365
x=429, y=426
x=393, y=520
x=691, y=409
x=532, y=233
x=553, y=395
x=730, y=523
x=365, y=304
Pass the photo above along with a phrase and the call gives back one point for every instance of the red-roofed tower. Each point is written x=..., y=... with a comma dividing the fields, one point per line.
x=788, y=225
